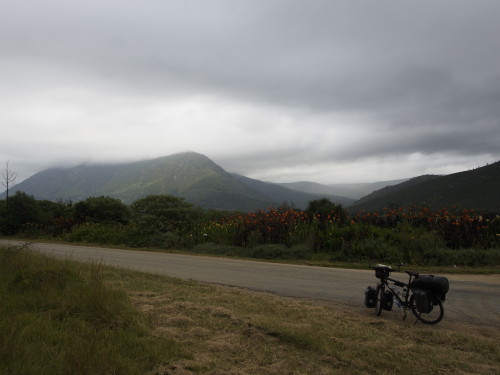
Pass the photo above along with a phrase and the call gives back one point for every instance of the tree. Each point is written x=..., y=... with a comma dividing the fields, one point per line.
x=23, y=209
x=8, y=179
x=102, y=210
x=324, y=209
x=156, y=214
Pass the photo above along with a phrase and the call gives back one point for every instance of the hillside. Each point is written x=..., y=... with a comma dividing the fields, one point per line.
x=387, y=190
x=296, y=198
x=477, y=189
x=188, y=175
x=354, y=190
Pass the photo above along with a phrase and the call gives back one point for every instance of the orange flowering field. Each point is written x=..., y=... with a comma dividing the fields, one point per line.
x=413, y=234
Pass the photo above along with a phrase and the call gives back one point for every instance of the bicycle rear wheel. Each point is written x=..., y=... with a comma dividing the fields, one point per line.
x=379, y=302
x=433, y=317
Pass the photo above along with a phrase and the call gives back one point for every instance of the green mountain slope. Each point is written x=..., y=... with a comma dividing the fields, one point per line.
x=477, y=189
x=280, y=193
x=188, y=175
x=353, y=190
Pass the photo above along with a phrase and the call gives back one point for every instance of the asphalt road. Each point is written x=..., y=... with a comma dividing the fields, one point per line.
x=472, y=298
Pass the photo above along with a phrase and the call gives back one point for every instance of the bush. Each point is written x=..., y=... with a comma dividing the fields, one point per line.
x=99, y=233
x=102, y=209
x=164, y=213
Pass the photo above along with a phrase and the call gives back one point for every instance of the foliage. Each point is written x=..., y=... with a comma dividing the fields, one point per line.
x=102, y=210
x=163, y=213
x=61, y=318
x=22, y=208
x=416, y=235
x=324, y=210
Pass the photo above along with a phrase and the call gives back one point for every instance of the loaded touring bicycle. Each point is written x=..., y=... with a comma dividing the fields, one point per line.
x=424, y=295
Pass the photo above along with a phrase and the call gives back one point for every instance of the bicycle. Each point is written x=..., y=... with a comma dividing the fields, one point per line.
x=423, y=294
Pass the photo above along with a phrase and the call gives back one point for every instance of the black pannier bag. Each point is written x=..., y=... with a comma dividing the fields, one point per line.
x=370, y=297
x=439, y=285
x=388, y=300
x=423, y=300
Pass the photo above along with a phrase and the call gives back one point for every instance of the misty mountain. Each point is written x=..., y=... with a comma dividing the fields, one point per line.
x=189, y=175
x=477, y=189
x=204, y=183
x=294, y=197
x=353, y=190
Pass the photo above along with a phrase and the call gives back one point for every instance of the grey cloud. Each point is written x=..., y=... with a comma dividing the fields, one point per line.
x=424, y=75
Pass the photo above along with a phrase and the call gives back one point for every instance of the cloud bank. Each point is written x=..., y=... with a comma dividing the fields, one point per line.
x=329, y=91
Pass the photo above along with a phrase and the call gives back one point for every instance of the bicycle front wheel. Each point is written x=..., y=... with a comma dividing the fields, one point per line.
x=380, y=299
x=433, y=317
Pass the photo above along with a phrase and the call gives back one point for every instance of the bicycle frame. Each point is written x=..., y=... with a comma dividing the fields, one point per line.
x=405, y=303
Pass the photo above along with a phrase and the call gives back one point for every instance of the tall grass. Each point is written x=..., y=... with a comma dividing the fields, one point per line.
x=61, y=318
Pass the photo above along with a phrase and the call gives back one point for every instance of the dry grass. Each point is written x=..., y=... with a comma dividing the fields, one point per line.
x=233, y=331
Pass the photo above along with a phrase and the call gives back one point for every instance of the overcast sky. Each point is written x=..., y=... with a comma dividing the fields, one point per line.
x=327, y=91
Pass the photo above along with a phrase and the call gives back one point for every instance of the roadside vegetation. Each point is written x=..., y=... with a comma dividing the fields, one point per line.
x=324, y=232
x=61, y=317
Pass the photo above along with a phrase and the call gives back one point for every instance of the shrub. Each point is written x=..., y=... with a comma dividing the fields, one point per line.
x=102, y=210
x=164, y=213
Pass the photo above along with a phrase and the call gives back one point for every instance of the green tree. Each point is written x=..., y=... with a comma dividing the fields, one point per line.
x=102, y=209
x=324, y=209
x=164, y=213
x=22, y=209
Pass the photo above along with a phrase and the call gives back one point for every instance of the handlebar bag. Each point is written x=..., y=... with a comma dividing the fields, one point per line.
x=382, y=272
x=436, y=284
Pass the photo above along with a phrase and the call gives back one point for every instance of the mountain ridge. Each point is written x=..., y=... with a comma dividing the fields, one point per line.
x=189, y=175
x=477, y=189
x=202, y=182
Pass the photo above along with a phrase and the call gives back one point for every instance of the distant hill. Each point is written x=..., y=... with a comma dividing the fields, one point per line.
x=354, y=190
x=280, y=193
x=477, y=189
x=390, y=189
x=189, y=175
x=204, y=183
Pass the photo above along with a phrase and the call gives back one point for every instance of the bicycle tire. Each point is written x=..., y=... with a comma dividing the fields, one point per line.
x=434, y=317
x=379, y=299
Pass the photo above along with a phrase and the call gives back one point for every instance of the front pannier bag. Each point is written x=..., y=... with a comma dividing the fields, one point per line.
x=439, y=285
x=423, y=300
x=388, y=300
x=370, y=297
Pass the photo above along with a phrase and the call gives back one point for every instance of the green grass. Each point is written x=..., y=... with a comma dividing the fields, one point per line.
x=60, y=318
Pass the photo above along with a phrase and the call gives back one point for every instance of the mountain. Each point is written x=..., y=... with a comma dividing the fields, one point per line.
x=280, y=193
x=202, y=182
x=390, y=189
x=477, y=189
x=189, y=175
x=354, y=190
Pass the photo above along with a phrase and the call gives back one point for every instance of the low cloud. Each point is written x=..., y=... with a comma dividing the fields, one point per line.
x=330, y=91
